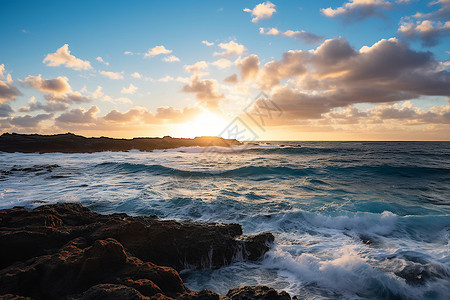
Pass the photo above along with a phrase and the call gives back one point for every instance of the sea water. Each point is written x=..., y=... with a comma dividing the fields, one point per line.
x=352, y=220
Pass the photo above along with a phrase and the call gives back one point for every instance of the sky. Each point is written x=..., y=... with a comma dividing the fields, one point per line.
x=251, y=70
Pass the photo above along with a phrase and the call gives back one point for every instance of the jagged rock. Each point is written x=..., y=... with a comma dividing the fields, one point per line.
x=176, y=244
x=67, y=250
x=257, y=293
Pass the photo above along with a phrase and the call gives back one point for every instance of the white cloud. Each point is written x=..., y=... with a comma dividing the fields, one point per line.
x=196, y=68
x=157, y=50
x=63, y=57
x=98, y=93
x=222, y=63
x=427, y=30
x=166, y=79
x=209, y=44
x=128, y=53
x=306, y=37
x=262, y=11
x=131, y=89
x=99, y=59
x=171, y=58
x=2, y=69
x=112, y=75
x=136, y=75
x=231, y=48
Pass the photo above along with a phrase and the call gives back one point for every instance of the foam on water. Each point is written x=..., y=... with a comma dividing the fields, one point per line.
x=351, y=220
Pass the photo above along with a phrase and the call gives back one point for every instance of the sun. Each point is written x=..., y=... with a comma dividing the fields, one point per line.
x=205, y=124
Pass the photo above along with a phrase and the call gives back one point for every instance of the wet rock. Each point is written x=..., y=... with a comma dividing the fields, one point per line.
x=257, y=293
x=176, y=244
x=66, y=250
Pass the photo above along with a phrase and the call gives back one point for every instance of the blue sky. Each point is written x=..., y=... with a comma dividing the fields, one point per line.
x=31, y=30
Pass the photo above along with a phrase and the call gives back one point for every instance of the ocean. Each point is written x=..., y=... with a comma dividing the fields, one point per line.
x=352, y=220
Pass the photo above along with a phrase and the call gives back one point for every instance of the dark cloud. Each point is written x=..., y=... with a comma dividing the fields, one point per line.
x=336, y=75
x=358, y=10
x=249, y=67
x=79, y=115
x=50, y=106
x=30, y=121
x=8, y=92
x=5, y=110
x=57, y=85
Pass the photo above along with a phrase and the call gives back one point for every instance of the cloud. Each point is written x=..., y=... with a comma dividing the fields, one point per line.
x=30, y=121
x=157, y=51
x=2, y=69
x=231, y=48
x=75, y=97
x=205, y=90
x=208, y=43
x=306, y=37
x=131, y=89
x=58, y=85
x=166, y=79
x=358, y=10
x=97, y=94
x=136, y=75
x=79, y=115
x=262, y=11
x=8, y=92
x=232, y=79
x=171, y=59
x=99, y=59
x=112, y=75
x=429, y=32
x=337, y=75
x=292, y=64
x=50, y=106
x=249, y=67
x=176, y=115
x=222, y=63
x=128, y=53
x=5, y=110
x=137, y=114
x=63, y=57
x=197, y=67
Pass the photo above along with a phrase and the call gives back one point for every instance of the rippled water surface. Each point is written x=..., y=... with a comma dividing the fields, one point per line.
x=352, y=220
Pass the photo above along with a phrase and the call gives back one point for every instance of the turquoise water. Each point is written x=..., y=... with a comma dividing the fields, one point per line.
x=352, y=220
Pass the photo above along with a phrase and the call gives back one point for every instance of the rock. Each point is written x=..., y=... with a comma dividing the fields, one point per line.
x=68, y=251
x=71, y=143
x=110, y=291
x=257, y=293
x=170, y=243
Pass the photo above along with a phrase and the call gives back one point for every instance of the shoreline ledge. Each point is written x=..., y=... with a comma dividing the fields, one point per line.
x=71, y=143
x=66, y=251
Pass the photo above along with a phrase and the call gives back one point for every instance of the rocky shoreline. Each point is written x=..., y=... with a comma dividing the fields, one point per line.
x=71, y=143
x=66, y=251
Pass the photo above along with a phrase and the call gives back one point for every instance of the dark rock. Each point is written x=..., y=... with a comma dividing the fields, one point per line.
x=55, y=251
x=176, y=244
x=110, y=291
x=71, y=143
x=257, y=293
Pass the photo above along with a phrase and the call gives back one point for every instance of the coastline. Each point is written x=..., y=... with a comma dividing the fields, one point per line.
x=68, y=251
x=71, y=143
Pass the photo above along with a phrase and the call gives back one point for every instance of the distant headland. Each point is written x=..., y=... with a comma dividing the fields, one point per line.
x=71, y=143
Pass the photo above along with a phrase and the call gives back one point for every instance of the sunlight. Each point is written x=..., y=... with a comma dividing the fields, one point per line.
x=206, y=124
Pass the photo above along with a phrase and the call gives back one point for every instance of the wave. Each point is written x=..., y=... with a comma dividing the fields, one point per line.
x=249, y=171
